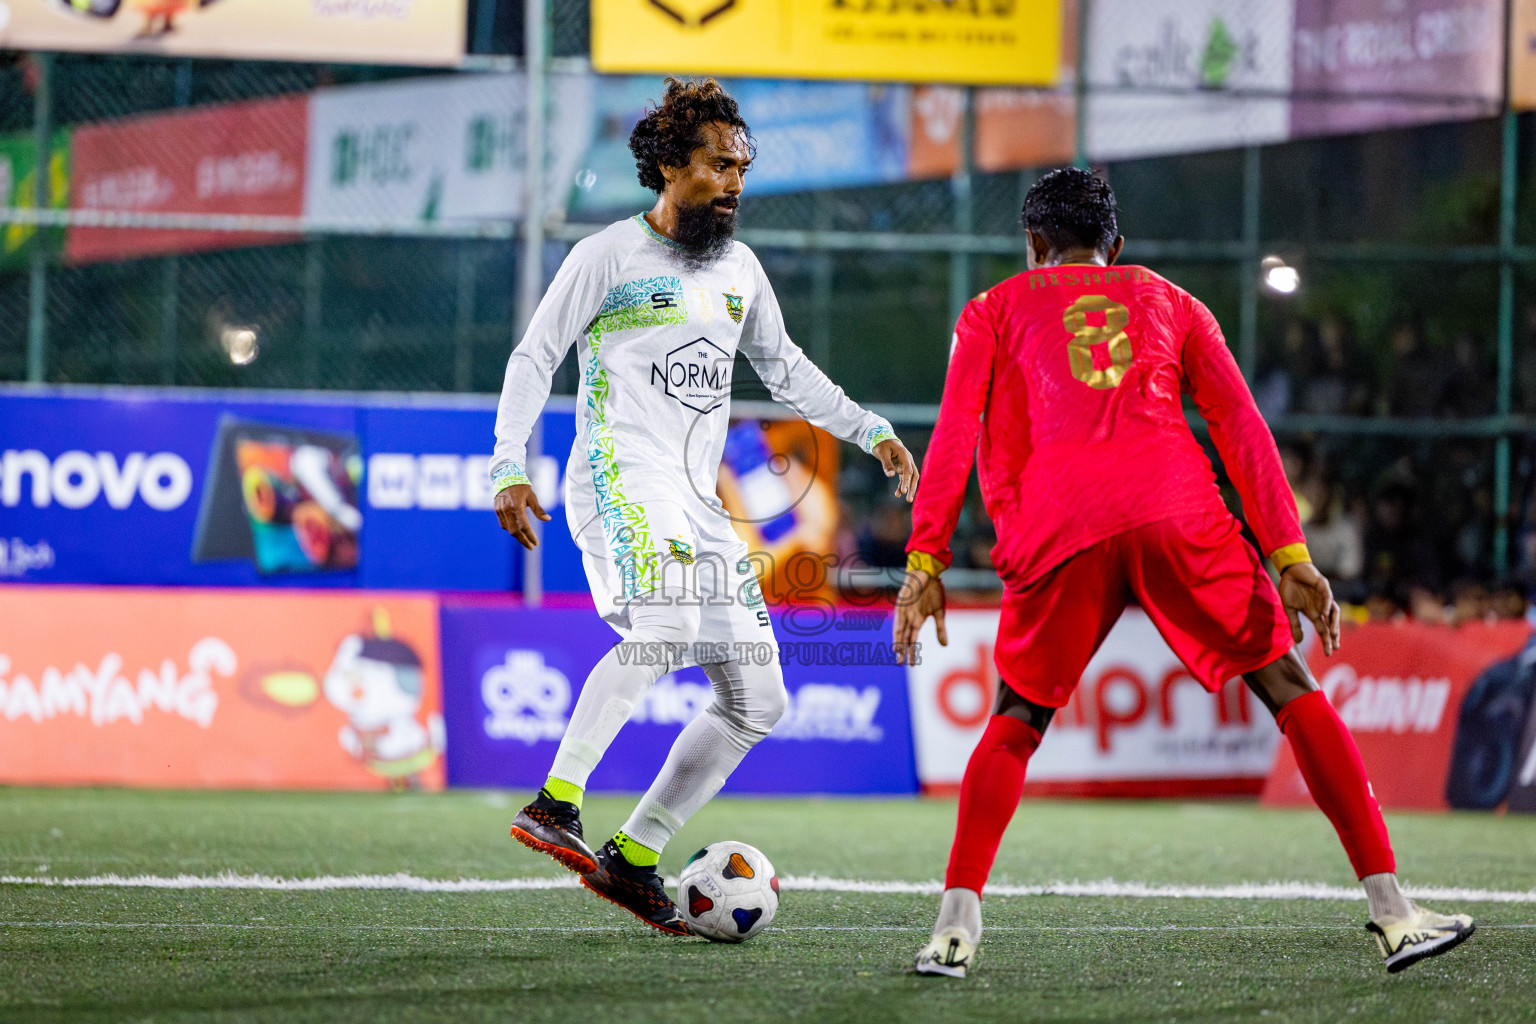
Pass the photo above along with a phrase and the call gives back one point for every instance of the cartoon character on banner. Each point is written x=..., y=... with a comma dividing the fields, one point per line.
x=375, y=680
x=159, y=15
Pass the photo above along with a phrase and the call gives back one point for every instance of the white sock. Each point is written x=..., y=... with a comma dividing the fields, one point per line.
x=613, y=688
x=607, y=700
x=1384, y=896
x=961, y=909
x=749, y=698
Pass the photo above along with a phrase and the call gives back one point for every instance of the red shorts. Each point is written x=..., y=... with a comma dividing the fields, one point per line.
x=1201, y=584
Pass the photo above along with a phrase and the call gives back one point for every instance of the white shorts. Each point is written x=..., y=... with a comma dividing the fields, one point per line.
x=655, y=545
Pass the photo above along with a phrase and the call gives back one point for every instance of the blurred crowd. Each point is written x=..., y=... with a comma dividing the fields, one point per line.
x=1320, y=370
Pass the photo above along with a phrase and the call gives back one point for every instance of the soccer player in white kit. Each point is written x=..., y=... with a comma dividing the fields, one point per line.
x=659, y=305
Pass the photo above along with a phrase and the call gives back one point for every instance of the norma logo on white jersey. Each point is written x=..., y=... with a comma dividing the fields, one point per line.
x=697, y=374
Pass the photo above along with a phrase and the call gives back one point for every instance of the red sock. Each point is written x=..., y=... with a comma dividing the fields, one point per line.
x=1330, y=763
x=989, y=794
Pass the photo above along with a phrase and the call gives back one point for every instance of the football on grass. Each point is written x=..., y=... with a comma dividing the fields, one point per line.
x=728, y=892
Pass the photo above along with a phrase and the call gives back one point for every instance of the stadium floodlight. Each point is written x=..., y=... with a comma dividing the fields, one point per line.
x=1279, y=276
x=240, y=344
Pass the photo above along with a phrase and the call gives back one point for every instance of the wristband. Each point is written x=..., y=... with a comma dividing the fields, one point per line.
x=922, y=561
x=1291, y=554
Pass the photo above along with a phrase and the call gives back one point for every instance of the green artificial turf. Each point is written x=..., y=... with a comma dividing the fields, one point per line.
x=122, y=954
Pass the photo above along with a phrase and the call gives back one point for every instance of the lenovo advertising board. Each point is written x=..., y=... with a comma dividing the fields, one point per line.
x=513, y=674
x=130, y=486
x=1138, y=723
x=219, y=689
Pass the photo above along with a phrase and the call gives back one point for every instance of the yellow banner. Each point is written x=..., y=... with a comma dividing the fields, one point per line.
x=352, y=31
x=965, y=42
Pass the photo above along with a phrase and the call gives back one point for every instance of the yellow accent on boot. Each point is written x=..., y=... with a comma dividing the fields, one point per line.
x=1405, y=941
x=638, y=854
x=559, y=789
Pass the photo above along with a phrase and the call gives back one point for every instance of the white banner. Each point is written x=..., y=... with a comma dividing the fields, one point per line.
x=1137, y=715
x=439, y=148
x=1169, y=76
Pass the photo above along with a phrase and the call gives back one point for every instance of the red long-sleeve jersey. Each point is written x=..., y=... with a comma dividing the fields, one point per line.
x=1071, y=377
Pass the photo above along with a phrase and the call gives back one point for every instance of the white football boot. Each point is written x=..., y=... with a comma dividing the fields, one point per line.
x=948, y=953
x=1404, y=941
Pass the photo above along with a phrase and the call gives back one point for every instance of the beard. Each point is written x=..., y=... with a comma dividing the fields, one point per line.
x=705, y=232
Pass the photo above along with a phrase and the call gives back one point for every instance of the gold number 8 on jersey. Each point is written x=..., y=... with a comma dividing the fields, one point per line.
x=1085, y=338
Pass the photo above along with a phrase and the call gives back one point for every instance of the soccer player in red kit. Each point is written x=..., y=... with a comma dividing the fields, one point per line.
x=1070, y=376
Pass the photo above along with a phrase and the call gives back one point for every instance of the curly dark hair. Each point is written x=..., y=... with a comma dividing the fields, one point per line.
x=1073, y=208
x=669, y=133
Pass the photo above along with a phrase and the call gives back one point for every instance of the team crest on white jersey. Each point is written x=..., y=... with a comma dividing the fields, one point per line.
x=734, y=306
x=704, y=304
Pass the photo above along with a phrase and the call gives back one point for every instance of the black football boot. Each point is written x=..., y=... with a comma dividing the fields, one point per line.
x=636, y=889
x=554, y=827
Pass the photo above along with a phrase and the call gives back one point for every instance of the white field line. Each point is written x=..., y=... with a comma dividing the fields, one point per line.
x=810, y=883
x=522, y=929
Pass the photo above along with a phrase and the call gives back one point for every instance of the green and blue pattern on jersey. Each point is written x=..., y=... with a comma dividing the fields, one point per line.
x=631, y=542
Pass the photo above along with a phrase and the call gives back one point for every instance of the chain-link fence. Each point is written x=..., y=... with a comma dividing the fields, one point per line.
x=1401, y=371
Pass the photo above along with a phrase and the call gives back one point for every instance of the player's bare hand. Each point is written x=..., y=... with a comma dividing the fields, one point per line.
x=510, y=503
x=898, y=462
x=921, y=596
x=1305, y=591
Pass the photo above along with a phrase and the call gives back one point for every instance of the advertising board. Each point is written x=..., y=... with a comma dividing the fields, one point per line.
x=359, y=31
x=234, y=158
x=1403, y=689
x=1138, y=723
x=138, y=486
x=962, y=43
x=1172, y=76
x=219, y=689
x=18, y=183
x=512, y=676
x=1362, y=65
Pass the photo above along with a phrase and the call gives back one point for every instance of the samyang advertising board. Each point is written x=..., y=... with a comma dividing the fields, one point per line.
x=512, y=676
x=140, y=486
x=130, y=686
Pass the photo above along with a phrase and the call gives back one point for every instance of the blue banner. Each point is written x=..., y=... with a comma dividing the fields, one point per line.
x=149, y=487
x=511, y=676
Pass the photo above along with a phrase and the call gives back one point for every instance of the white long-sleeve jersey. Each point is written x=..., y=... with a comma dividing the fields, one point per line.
x=657, y=347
